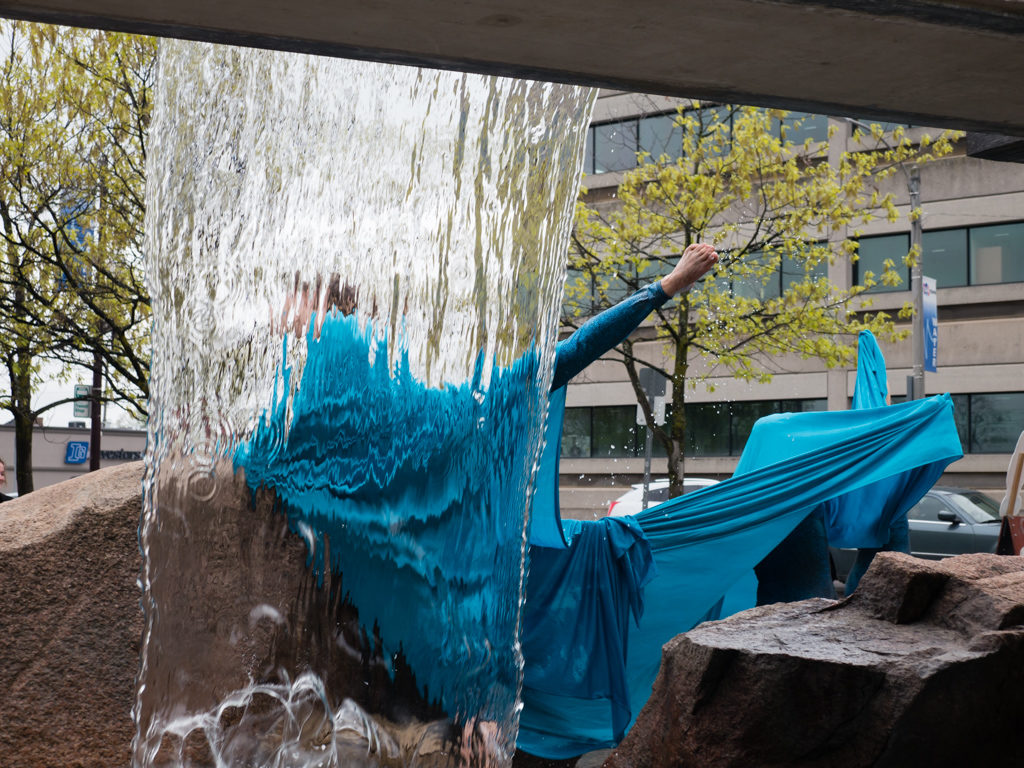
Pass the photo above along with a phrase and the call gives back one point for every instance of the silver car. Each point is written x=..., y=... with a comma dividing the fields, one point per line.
x=945, y=522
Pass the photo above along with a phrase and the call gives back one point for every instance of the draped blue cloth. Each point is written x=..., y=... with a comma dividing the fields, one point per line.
x=587, y=602
x=871, y=389
x=861, y=465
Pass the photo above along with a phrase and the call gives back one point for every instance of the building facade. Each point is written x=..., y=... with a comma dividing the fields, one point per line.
x=61, y=453
x=973, y=245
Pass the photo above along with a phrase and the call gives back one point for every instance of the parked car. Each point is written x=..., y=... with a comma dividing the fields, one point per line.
x=631, y=502
x=945, y=522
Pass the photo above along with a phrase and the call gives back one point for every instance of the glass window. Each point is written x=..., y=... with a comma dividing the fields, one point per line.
x=996, y=421
x=657, y=268
x=615, y=146
x=928, y=509
x=578, y=297
x=761, y=286
x=944, y=257
x=997, y=254
x=800, y=126
x=805, y=406
x=794, y=267
x=660, y=135
x=657, y=447
x=886, y=127
x=874, y=252
x=588, y=152
x=962, y=417
x=614, y=431
x=576, y=433
x=657, y=495
x=977, y=507
x=707, y=429
x=744, y=414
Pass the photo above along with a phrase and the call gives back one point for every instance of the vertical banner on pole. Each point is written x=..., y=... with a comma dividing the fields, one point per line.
x=930, y=314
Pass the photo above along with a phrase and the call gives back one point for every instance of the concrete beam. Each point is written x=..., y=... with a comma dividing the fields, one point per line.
x=957, y=63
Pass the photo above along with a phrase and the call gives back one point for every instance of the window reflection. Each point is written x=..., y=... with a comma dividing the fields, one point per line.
x=798, y=127
x=661, y=137
x=614, y=431
x=707, y=429
x=996, y=420
x=576, y=433
x=944, y=257
x=712, y=429
x=873, y=252
x=997, y=254
x=985, y=422
x=615, y=146
x=928, y=508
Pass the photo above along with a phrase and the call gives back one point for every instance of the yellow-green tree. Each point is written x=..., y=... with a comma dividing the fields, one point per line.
x=778, y=213
x=74, y=111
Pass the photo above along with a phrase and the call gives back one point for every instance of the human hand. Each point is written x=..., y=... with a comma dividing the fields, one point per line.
x=696, y=260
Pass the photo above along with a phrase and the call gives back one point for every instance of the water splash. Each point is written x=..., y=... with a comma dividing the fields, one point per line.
x=355, y=272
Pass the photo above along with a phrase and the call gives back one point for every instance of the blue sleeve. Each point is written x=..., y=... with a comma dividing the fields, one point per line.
x=601, y=333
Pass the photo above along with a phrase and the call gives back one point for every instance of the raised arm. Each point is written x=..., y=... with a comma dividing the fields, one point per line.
x=604, y=331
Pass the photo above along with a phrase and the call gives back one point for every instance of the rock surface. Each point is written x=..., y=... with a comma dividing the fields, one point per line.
x=70, y=623
x=922, y=665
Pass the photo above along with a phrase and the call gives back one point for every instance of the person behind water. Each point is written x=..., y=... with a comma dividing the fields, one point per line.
x=591, y=340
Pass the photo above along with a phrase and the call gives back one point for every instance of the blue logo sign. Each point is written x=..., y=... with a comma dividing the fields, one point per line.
x=77, y=452
x=930, y=315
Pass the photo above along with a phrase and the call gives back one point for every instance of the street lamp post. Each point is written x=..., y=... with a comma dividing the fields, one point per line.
x=915, y=382
x=914, y=186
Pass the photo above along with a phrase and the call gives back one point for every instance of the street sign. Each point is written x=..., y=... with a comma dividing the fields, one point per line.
x=651, y=382
x=930, y=315
x=77, y=452
x=658, y=406
x=82, y=407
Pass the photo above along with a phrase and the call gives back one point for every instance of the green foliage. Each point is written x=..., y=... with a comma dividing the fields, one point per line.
x=74, y=109
x=779, y=215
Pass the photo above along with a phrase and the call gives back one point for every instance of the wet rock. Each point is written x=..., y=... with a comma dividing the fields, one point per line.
x=70, y=623
x=922, y=665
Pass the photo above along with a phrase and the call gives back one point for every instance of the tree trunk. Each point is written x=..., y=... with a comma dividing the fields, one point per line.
x=676, y=447
x=21, y=399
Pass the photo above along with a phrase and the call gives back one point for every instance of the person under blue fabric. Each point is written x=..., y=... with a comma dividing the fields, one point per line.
x=799, y=567
x=673, y=563
x=591, y=340
x=611, y=552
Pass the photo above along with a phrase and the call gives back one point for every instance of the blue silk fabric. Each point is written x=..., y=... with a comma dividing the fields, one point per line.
x=413, y=497
x=866, y=466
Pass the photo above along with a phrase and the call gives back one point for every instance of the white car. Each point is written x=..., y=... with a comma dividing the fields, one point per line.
x=631, y=502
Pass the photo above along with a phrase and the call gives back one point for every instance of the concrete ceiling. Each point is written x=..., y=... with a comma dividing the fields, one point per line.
x=957, y=63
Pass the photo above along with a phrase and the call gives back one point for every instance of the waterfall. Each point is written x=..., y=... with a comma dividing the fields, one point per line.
x=355, y=271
